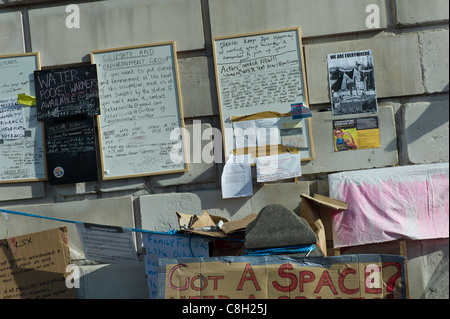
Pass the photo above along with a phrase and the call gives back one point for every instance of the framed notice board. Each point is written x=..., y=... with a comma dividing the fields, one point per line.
x=141, y=124
x=22, y=156
x=258, y=73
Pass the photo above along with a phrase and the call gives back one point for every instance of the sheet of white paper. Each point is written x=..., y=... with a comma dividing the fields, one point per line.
x=244, y=134
x=268, y=132
x=109, y=244
x=276, y=167
x=169, y=246
x=237, y=178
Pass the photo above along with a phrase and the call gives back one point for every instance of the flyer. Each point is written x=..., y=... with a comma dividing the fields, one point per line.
x=356, y=133
x=352, y=83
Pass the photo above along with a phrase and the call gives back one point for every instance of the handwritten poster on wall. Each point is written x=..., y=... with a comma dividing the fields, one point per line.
x=142, y=117
x=22, y=155
x=33, y=266
x=260, y=72
x=169, y=246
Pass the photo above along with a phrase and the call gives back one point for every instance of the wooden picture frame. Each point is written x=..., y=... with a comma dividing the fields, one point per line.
x=140, y=106
x=22, y=159
x=260, y=72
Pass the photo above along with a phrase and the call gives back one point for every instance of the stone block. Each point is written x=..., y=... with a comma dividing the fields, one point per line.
x=327, y=160
x=114, y=211
x=18, y=191
x=435, y=53
x=11, y=38
x=112, y=24
x=158, y=212
x=426, y=132
x=197, y=87
x=410, y=12
x=201, y=169
x=112, y=281
x=396, y=60
x=315, y=18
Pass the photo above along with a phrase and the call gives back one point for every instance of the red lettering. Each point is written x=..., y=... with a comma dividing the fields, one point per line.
x=203, y=283
x=248, y=270
x=216, y=278
x=171, y=275
x=372, y=279
x=390, y=285
x=282, y=272
x=305, y=277
x=325, y=280
x=341, y=281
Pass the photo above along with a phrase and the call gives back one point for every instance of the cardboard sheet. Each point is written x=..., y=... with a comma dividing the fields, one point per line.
x=386, y=204
x=33, y=266
x=284, y=277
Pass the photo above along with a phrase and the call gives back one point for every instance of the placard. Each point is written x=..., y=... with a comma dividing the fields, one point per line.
x=283, y=277
x=33, y=266
x=141, y=125
x=22, y=157
x=260, y=72
x=65, y=92
x=71, y=151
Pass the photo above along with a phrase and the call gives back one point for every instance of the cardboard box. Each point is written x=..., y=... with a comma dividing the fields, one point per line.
x=283, y=277
x=317, y=211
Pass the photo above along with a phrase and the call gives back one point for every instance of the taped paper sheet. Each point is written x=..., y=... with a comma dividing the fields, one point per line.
x=237, y=177
x=276, y=167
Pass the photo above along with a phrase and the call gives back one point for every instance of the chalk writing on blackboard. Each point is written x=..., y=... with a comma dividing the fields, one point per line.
x=141, y=106
x=66, y=92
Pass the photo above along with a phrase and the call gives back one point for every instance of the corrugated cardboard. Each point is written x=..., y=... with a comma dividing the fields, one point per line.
x=284, y=277
x=317, y=211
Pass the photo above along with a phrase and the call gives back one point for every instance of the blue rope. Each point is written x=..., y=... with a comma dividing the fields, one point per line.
x=280, y=250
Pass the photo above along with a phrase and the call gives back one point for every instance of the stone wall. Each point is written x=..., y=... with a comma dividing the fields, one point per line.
x=411, y=58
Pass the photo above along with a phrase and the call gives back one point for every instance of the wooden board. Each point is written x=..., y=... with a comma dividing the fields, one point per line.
x=141, y=126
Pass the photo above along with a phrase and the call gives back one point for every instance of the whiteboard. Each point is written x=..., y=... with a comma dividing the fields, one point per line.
x=259, y=72
x=141, y=123
x=22, y=159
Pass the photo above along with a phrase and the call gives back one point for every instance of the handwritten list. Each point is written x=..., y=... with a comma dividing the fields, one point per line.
x=140, y=108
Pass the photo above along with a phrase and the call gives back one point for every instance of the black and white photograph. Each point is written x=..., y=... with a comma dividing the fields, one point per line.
x=352, y=83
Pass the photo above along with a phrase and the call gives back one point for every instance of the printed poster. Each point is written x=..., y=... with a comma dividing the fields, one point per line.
x=356, y=133
x=352, y=83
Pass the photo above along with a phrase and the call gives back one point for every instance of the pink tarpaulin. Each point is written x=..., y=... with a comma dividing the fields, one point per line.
x=391, y=203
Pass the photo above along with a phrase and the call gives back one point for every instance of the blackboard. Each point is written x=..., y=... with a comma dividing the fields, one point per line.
x=259, y=72
x=22, y=159
x=71, y=150
x=64, y=92
x=141, y=123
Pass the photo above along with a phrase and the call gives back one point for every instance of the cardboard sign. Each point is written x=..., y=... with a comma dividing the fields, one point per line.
x=283, y=277
x=33, y=266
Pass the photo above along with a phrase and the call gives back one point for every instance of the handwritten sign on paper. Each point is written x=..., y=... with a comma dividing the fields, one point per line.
x=169, y=246
x=276, y=167
x=108, y=244
x=12, y=122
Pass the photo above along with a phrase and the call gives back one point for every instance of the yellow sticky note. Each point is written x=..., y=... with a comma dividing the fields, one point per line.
x=26, y=99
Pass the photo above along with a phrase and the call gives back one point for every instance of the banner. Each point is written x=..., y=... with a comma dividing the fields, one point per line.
x=283, y=277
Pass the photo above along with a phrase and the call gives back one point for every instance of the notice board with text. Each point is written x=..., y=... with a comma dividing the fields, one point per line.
x=141, y=125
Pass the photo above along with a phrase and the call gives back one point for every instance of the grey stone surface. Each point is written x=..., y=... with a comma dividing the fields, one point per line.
x=112, y=24
x=410, y=12
x=20, y=191
x=327, y=160
x=277, y=226
x=393, y=75
x=11, y=36
x=426, y=132
x=435, y=56
x=316, y=18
